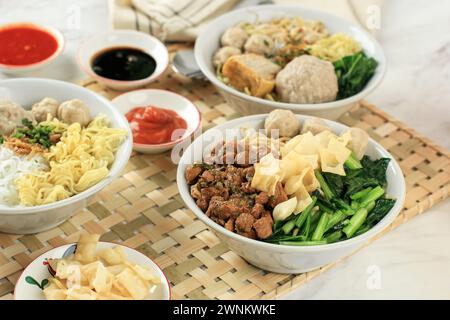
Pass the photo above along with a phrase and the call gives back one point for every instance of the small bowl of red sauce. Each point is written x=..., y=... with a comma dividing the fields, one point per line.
x=26, y=47
x=159, y=119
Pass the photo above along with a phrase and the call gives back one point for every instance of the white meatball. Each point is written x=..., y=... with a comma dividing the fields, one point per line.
x=307, y=79
x=315, y=126
x=223, y=54
x=72, y=111
x=11, y=115
x=259, y=44
x=283, y=120
x=358, y=142
x=45, y=107
x=234, y=37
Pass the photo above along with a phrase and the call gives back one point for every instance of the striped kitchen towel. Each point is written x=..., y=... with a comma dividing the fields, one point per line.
x=182, y=20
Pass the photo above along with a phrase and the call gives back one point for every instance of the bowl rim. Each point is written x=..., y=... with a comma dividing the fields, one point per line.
x=381, y=225
x=19, y=280
x=168, y=92
x=56, y=34
x=125, y=154
x=375, y=81
x=155, y=75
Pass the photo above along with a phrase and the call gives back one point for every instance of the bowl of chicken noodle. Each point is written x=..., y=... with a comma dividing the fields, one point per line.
x=290, y=193
x=60, y=145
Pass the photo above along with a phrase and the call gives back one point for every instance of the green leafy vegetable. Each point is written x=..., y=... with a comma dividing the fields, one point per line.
x=335, y=183
x=328, y=193
x=353, y=73
x=382, y=207
x=376, y=169
x=372, y=174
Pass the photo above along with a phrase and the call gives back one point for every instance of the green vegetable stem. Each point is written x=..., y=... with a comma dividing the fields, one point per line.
x=360, y=194
x=373, y=195
x=302, y=216
x=355, y=222
x=323, y=185
x=352, y=162
x=321, y=226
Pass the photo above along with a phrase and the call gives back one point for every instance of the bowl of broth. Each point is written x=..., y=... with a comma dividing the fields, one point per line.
x=123, y=59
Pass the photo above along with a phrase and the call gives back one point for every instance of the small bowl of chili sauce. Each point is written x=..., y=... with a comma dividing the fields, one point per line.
x=159, y=119
x=123, y=59
x=27, y=47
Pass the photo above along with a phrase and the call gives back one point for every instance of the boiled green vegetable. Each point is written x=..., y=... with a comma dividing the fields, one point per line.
x=343, y=206
x=353, y=73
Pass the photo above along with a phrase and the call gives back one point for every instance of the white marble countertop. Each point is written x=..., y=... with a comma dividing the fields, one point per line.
x=411, y=262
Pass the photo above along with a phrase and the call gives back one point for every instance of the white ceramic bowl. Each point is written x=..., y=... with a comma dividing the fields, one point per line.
x=37, y=271
x=208, y=43
x=162, y=99
x=26, y=91
x=123, y=38
x=22, y=70
x=282, y=258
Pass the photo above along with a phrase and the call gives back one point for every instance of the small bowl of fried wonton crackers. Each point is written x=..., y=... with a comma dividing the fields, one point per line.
x=92, y=270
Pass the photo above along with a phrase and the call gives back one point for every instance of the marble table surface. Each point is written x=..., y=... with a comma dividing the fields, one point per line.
x=411, y=262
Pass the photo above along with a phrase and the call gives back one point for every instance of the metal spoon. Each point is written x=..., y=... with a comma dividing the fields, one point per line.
x=184, y=60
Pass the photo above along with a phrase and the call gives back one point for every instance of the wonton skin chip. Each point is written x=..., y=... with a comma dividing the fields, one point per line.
x=55, y=294
x=145, y=274
x=112, y=257
x=101, y=279
x=106, y=275
x=86, y=248
x=133, y=284
x=81, y=293
x=56, y=290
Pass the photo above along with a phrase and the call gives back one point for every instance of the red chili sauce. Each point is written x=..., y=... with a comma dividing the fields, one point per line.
x=23, y=45
x=153, y=125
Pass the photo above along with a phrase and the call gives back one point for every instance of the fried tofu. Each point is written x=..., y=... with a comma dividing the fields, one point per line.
x=251, y=71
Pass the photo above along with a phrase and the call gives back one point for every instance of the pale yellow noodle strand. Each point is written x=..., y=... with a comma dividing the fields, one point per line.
x=78, y=161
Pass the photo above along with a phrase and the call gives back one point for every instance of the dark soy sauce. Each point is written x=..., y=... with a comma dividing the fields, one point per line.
x=122, y=63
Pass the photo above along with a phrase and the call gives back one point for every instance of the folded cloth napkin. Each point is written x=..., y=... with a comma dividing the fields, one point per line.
x=182, y=20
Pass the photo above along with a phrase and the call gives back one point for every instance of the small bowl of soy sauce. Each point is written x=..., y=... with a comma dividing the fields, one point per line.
x=123, y=59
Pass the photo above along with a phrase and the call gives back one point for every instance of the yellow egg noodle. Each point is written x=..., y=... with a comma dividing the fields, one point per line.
x=335, y=47
x=300, y=157
x=78, y=161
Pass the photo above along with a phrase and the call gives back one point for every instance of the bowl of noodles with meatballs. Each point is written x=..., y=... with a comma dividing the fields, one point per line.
x=60, y=144
x=289, y=57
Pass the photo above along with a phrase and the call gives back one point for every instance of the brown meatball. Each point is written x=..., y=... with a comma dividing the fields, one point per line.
x=208, y=176
x=202, y=204
x=268, y=214
x=257, y=210
x=210, y=192
x=222, y=209
x=192, y=173
x=244, y=222
x=262, y=198
x=279, y=196
x=307, y=79
x=263, y=227
x=229, y=225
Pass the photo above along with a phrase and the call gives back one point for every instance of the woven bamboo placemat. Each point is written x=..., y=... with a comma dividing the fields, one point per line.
x=143, y=209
